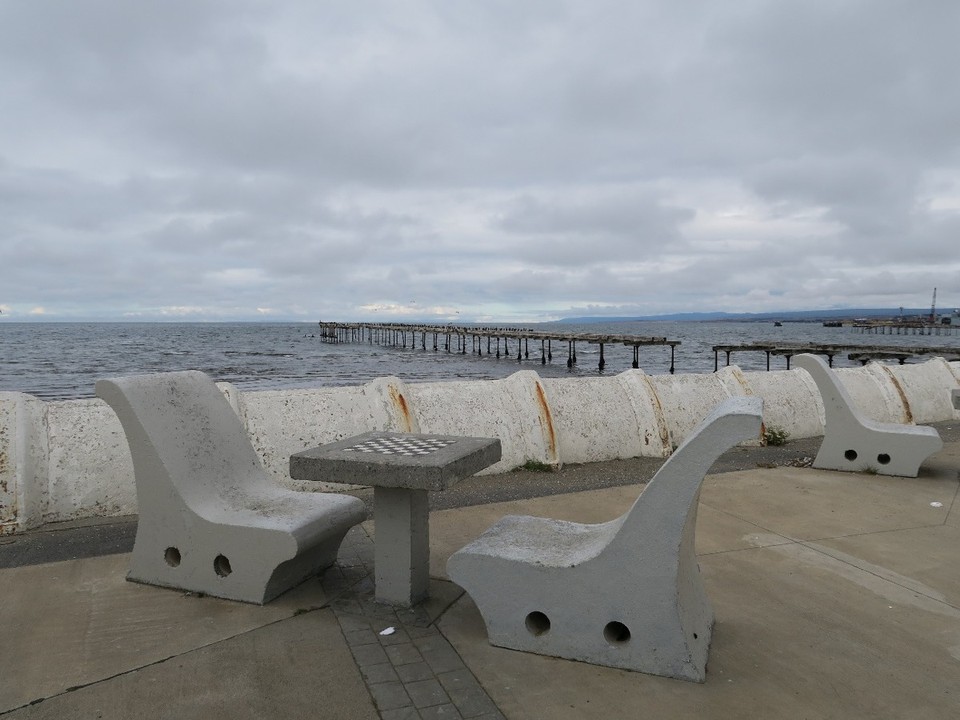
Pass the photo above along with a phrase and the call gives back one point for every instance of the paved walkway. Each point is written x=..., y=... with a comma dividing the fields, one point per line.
x=836, y=596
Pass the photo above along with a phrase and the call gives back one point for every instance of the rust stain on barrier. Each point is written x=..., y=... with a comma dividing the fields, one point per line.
x=400, y=402
x=907, y=412
x=546, y=420
x=742, y=380
x=660, y=418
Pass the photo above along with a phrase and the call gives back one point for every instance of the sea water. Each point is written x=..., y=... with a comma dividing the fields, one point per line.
x=58, y=361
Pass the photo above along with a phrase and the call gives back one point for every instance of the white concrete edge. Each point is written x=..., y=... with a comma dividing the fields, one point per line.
x=24, y=460
x=66, y=460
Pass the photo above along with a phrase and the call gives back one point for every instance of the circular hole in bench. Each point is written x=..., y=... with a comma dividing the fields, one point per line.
x=537, y=623
x=883, y=458
x=850, y=455
x=222, y=565
x=616, y=633
x=172, y=556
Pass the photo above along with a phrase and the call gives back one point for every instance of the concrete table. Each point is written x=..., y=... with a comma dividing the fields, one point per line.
x=402, y=468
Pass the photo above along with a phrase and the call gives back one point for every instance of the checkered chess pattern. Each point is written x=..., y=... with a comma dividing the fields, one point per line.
x=411, y=447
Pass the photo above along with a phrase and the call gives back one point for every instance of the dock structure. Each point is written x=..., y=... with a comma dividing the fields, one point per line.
x=894, y=327
x=860, y=353
x=496, y=340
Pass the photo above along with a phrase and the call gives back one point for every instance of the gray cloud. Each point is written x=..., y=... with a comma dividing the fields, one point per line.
x=510, y=160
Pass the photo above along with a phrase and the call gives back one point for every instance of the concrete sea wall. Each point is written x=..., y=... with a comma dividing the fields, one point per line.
x=68, y=460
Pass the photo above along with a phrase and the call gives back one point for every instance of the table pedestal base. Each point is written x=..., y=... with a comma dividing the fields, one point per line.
x=402, y=546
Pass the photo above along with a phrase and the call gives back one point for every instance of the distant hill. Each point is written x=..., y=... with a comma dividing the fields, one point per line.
x=784, y=316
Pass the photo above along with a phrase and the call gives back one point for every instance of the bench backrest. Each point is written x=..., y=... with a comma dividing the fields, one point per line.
x=183, y=433
x=838, y=405
x=667, y=507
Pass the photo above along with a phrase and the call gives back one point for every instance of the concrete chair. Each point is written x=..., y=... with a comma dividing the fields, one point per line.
x=856, y=443
x=626, y=593
x=210, y=519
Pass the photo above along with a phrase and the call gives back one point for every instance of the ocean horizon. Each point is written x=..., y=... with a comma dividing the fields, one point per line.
x=61, y=360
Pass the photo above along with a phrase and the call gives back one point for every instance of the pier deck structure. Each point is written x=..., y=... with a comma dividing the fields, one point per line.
x=860, y=353
x=894, y=327
x=456, y=338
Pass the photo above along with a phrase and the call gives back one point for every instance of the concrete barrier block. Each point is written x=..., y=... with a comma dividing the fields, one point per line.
x=11, y=463
x=871, y=394
x=593, y=419
x=687, y=399
x=390, y=403
x=649, y=412
x=738, y=384
x=891, y=392
x=23, y=462
x=233, y=395
x=607, y=418
x=954, y=366
x=283, y=422
x=791, y=401
x=920, y=387
x=516, y=410
x=90, y=470
x=735, y=381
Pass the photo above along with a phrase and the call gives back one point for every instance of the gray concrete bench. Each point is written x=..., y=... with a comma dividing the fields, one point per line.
x=626, y=593
x=210, y=519
x=955, y=396
x=856, y=443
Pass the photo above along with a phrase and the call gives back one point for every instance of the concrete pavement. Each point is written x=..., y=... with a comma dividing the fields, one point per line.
x=836, y=596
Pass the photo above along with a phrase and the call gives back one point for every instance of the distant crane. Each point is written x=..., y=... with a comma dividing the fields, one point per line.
x=933, y=308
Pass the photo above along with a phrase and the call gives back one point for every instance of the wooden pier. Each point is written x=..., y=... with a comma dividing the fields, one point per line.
x=497, y=340
x=894, y=327
x=861, y=353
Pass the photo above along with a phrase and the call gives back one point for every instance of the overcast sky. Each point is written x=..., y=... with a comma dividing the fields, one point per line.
x=494, y=160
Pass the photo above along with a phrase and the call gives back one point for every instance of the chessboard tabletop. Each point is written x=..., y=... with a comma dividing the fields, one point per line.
x=400, y=460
